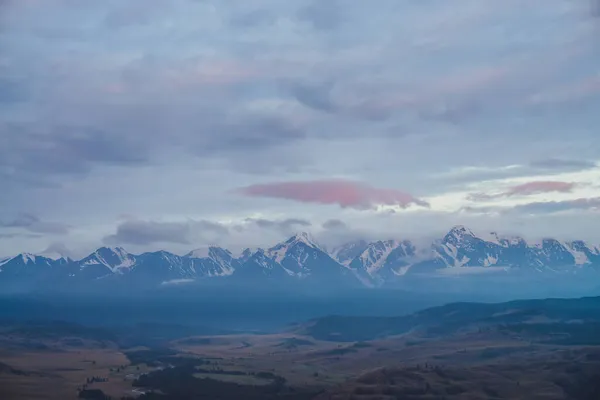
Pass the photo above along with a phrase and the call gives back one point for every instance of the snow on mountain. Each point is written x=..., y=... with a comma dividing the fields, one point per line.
x=245, y=254
x=281, y=251
x=302, y=257
x=26, y=266
x=382, y=260
x=212, y=261
x=583, y=253
x=459, y=252
x=27, y=259
x=374, y=256
x=260, y=266
x=202, y=252
x=113, y=258
x=346, y=253
x=161, y=266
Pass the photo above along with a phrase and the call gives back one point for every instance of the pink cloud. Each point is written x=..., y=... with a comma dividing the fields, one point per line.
x=537, y=187
x=346, y=194
x=528, y=189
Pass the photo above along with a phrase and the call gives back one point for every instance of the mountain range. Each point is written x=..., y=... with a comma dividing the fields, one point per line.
x=301, y=260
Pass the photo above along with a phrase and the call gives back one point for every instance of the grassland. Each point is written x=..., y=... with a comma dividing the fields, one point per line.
x=521, y=357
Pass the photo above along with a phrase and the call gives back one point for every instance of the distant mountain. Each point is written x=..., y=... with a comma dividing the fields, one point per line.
x=347, y=252
x=544, y=315
x=214, y=262
x=103, y=262
x=259, y=268
x=302, y=260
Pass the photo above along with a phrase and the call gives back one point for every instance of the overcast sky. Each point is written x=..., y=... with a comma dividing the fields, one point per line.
x=178, y=124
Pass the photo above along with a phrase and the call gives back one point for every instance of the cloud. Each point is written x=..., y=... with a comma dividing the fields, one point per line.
x=315, y=96
x=285, y=225
x=563, y=164
x=528, y=189
x=335, y=224
x=103, y=102
x=551, y=207
x=35, y=224
x=595, y=8
x=322, y=15
x=135, y=12
x=346, y=194
x=20, y=235
x=141, y=233
x=57, y=249
x=63, y=150
x=11, y=91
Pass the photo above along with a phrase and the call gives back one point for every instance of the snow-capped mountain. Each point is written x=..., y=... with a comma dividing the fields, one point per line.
x=300, y=259
x=347, y=252
x=212, y=262
x=259, y=267
x=26, y=263
x=105, y=261
x=245, y=254
x=26, y=270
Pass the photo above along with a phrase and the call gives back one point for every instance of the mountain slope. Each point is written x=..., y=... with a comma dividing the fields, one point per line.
x=388, y=263
x=213, y=263
x=459, y=316
x=303, y=258
x=105, y=261
x=347, y=252
x=260, y=268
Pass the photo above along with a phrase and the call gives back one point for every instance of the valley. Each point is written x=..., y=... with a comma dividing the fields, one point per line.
x=529, y=349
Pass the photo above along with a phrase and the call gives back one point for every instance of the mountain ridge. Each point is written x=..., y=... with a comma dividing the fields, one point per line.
x=301, y=258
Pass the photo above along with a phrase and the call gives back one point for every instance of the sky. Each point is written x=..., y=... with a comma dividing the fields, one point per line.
x=180, y=124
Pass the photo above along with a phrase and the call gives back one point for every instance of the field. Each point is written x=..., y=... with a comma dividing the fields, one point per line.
x=254, y=360
x=450, y=352
x=62, y=372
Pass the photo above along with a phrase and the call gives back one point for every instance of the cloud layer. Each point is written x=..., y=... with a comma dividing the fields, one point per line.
x=161, y=110
x=346, y=194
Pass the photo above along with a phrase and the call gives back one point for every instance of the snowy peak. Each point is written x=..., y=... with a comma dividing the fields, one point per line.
x=209, y=252
x=383, y=259
x=247, y=253
x=259, y=266
x=27, y=259
x=504, y=240
x=346, y=253
x=112, y=258
x=212, y=261
x=304, y=238
x=302, y=257
x=280, y=251
x=374, y=256
x=203, y=252
x=458, y=234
